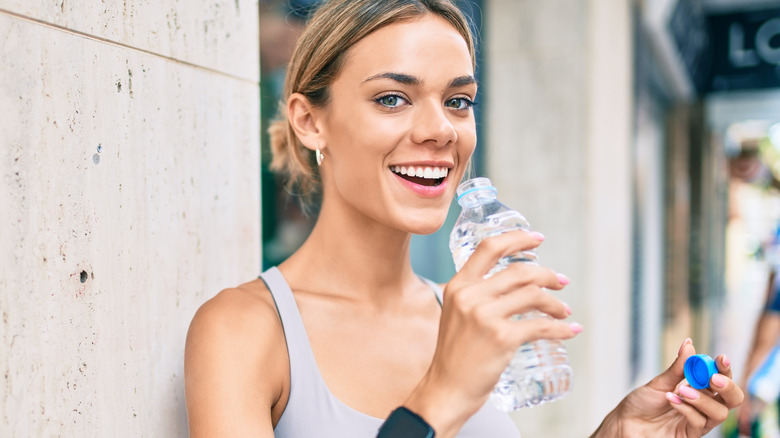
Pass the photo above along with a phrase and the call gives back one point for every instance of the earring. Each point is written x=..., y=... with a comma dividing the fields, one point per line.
x=319, y=156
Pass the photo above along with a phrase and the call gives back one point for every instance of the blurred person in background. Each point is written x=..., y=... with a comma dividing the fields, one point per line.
x=762, y=372
x=761, y=378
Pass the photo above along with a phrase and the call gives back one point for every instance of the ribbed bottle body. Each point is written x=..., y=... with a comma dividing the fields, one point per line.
x=539, y=371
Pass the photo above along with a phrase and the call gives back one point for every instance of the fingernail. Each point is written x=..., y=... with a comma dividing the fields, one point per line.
x=537, y=235
x=688, y=392
x=568, y=309
x=576, y=328
x=685, y=342
x=673, y=398
x=562, y=279
x=726, y=361
x=719, y=380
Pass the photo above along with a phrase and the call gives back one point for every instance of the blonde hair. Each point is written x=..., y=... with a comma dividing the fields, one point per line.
x=318, y=58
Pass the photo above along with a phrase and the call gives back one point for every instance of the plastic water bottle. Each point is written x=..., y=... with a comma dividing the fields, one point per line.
x=539, y=371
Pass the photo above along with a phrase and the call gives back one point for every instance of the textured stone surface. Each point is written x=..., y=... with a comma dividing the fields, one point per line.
x=129, y=192
x=218, y=34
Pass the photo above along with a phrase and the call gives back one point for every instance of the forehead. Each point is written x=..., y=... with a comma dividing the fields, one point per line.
x=426, y=46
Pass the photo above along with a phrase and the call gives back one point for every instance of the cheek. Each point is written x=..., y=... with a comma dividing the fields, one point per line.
x=361, y=144
x=467, y=140
x=356, y=160
x=353, y=127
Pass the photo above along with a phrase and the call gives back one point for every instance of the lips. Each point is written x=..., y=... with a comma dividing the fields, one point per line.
x=430, y=176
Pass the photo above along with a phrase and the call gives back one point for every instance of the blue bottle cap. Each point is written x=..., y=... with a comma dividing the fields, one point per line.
x=699, y=369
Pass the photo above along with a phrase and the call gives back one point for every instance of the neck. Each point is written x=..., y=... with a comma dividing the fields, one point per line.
x=351, y=255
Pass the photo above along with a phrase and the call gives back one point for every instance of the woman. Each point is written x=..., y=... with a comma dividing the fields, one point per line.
x=379, y=120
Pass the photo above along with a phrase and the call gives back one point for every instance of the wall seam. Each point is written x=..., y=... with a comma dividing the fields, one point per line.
x=126, y=46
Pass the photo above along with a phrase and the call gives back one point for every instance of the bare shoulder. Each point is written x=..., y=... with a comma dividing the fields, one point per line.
x=235, y=362
x=237, y=314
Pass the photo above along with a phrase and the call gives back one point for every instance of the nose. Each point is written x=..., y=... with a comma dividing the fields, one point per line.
x=432, y=126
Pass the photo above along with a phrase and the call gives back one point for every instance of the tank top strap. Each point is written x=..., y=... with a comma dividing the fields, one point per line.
x=303, y=366
x=311, y=408
x=436, y=289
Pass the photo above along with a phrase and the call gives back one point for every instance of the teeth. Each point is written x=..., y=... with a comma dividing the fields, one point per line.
x=421, y=172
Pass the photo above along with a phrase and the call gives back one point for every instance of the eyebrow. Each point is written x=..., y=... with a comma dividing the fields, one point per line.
x=461, y=81
x=405, y=79
x=398, y=77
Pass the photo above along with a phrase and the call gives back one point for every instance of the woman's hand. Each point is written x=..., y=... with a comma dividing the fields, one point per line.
x=669, y=407
x=477, y=334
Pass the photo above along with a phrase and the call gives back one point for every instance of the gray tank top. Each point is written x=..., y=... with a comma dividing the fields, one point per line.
x=312, y=411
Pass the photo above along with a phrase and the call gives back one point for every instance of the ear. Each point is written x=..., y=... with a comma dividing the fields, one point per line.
x=305, y=121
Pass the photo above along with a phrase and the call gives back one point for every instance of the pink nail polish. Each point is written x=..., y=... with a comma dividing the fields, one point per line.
x=537, y=235
x=719, y=380
x=562, y=279
x=688, y=392
x=568, y=309
x=673, y=398
x=576, y=328
x=726, y=362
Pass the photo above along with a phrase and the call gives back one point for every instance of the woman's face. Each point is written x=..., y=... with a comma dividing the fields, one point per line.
x=399, y=128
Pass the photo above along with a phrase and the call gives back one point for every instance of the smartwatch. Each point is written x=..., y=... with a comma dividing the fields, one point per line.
x=403, y=423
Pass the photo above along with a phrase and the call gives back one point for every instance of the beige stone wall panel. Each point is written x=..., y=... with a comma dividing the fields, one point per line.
x=130, y=189
x=557, y=141
x=217, y=34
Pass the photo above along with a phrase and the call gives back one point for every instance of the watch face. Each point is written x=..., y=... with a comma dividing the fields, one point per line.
x=403, y=423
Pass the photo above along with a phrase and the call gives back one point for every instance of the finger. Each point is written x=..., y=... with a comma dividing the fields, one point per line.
x=728, y=392
x=514, y=277
x=493, y=248
x=534, y=329
x=708, y=406
x=528, y=299
x=724, y=365
x=695, y=419
x=723, y=368
x=518, y=275
x=669, y=379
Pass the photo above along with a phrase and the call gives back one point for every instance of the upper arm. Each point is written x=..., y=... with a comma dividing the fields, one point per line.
x=768, y=331
x=766, y=335
x=233, y=367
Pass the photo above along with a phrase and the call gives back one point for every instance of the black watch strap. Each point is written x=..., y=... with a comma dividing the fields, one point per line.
x=403, y=423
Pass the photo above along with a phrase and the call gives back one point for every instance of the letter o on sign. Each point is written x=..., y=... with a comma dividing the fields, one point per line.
x=764, y=36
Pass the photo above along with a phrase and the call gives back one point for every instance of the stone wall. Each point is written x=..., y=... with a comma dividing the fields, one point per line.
x=129, y=194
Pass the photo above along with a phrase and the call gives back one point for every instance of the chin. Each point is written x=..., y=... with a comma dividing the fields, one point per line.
x=426, y=231
x=426, y=226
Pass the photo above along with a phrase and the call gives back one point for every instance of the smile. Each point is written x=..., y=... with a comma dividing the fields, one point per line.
x=422, y=175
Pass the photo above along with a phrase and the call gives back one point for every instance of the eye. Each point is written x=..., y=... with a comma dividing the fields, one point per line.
x=459, y=103
x=391, y=100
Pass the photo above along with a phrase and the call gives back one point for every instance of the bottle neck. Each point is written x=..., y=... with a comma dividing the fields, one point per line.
x=477, y=196
x=476, y=191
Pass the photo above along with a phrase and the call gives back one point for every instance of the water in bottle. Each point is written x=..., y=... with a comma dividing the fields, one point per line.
x=539, y=371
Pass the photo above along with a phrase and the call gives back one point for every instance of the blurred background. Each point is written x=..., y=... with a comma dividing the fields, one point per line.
x=642, y=137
